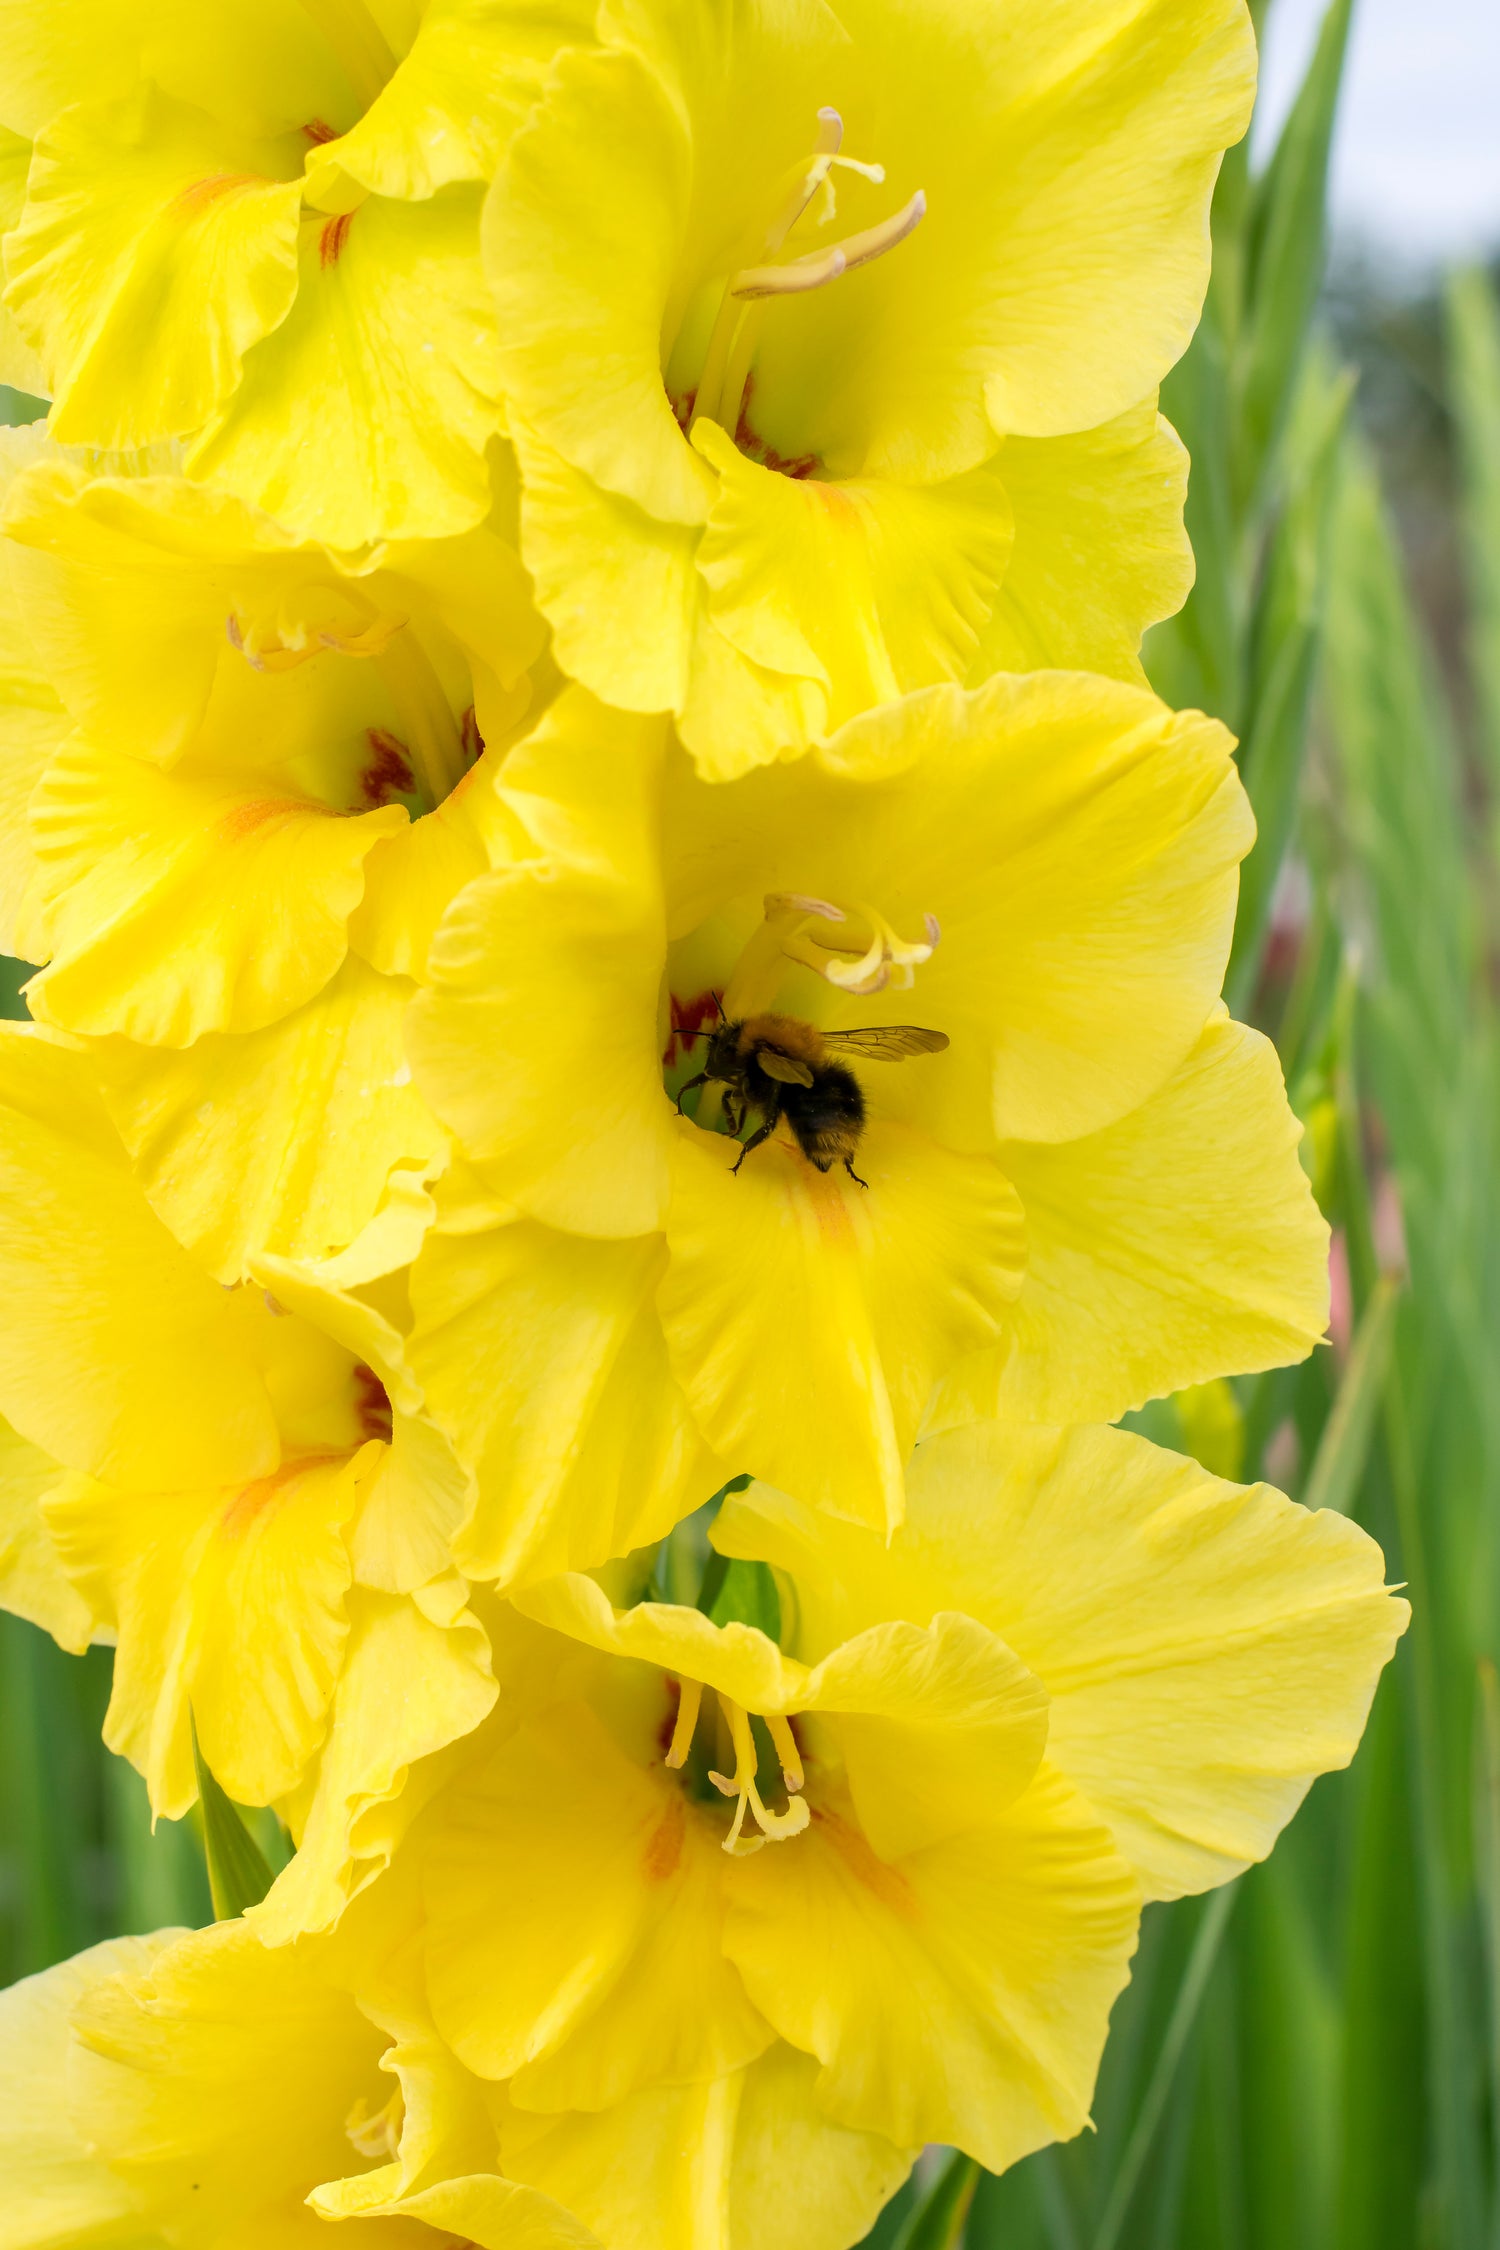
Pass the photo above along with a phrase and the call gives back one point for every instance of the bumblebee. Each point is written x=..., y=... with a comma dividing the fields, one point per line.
x=780, y=1067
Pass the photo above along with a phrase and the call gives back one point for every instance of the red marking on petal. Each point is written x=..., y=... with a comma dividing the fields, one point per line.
x=688, y=1020
x=331, y=241
x=372, y=1404
x=389, y=772
x=318, y=133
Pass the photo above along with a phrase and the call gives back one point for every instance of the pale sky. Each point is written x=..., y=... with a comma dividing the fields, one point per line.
x=1417, y=160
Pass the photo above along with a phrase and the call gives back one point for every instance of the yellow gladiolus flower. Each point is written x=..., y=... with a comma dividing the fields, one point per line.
x=622, y=1306
x=824, y=336
x=239, y=1491
x=276, y=776
x=894, y=1813
x=256, y=227
x=195, y=2089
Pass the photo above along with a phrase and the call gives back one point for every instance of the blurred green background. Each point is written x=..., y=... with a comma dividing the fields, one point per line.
x=1310, y=2059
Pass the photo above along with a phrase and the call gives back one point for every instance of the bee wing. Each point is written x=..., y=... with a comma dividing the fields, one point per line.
x=785, y=1067
x=886, y=1042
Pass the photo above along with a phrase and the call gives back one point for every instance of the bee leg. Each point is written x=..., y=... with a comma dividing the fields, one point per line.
x=854, y=1176
x=700, y=1080
x=761, y=1133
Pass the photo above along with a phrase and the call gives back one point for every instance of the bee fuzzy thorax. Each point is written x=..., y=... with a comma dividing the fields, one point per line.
x=788, y=1034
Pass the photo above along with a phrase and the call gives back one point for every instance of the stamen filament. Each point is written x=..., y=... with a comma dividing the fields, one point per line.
x=873, y=242
x=787, y=1751
x=825, y=149
x=774, y=1827
x=735, y=336
x=687, y=1721
x=792, y=279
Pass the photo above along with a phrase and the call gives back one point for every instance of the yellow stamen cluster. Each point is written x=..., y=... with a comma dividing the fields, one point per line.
x=721, y=387
x=742, y=1783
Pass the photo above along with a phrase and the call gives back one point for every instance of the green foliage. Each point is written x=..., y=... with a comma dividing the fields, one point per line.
x=239, y=1874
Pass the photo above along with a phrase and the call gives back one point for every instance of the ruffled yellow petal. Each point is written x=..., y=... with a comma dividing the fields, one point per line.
x=282, y=1140
x=366, y=414
x=1100, y=550
x=255, y=68
x=230, y=1609
x=580, y=239
x=33, y=722
x=1214, y=1651
x=19, y=364
x=171, y=617
x=457, y=95
x=145, y=218
x=537, y=1042
x=542, y=1359
x=217, y=2082
x=181, y=903
x=734, y=1659
x=937, y=1727
x=960, y=1993
x=601, y=564
x=1067, y=153
x=731, y=2164
x=1079, y=845
x=480, y=2209
x=58, y=2196
x=107, y=1316
x=1208, y=1648
x=574, y=1902
x=857, y=591
x=416, y=1676
x=807, y=1318
x=33, y=1582
x=414, y=874
x=414, y=1501
x=1180, y=1244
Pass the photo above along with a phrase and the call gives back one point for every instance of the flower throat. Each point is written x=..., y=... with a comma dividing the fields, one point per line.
x=722, y=390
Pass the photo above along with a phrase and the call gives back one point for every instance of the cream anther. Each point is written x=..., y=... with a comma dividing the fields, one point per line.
x=867, y=955
x=774, y=1827
x=883, y=961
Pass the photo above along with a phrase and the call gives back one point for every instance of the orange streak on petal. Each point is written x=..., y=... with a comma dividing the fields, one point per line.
x=251, y=813
x=198, y=194
x=887, y=1884
x=258, y=1499
x=664, y=1850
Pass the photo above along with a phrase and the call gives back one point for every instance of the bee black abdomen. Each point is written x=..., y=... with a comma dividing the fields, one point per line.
x=827, y=1117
